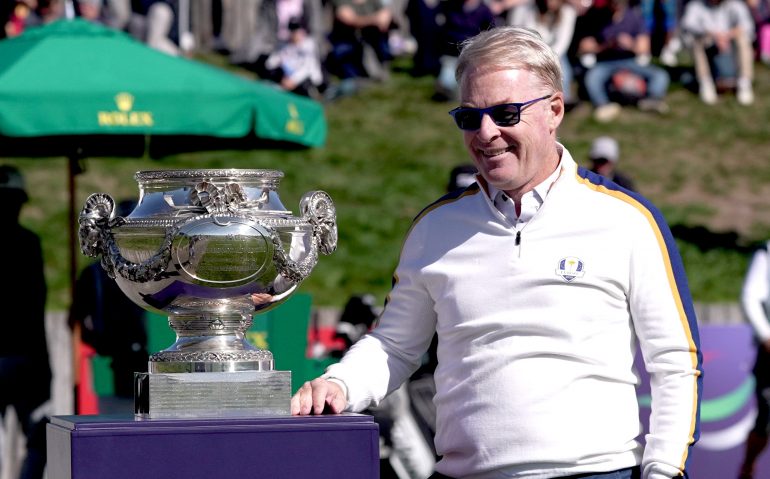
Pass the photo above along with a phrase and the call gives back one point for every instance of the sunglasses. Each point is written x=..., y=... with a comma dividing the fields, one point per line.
x=505, y=114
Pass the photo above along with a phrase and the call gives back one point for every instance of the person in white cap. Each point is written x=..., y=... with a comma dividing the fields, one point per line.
x=755, y=294
x=604, y=156
x=25, y=372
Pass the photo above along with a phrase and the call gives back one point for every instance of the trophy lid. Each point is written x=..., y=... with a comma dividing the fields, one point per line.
x=213, y=175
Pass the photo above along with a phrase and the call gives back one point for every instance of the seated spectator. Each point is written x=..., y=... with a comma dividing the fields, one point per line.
x=604, y=156
x=400, y=40
x=296, y=65
x=458, y=20
x=760, y=10
x=502, y=9
x=359, y=25
x=18, y=15
x=720, y=34
x=112, y=13
x=91, y=10
x=154, y=23
x=118, y=13
x=265, y=29
x=617, y=41
x=311, y=13
x=661, y=24
x=554, y=20
x=424, y=28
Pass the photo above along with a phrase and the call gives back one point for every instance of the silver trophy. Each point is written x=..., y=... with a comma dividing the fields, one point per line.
x=209, y=248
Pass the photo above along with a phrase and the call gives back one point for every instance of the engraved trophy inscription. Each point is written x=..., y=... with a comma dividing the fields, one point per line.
x=209, y=249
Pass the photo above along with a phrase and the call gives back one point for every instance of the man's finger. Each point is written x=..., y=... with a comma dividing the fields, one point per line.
x=302, y=401
x=320, y=388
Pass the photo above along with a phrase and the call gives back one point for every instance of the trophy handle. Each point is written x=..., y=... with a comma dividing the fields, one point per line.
x=96, y=221
x=317, y=208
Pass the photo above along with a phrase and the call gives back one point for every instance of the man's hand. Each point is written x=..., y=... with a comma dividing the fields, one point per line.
x=316, y=395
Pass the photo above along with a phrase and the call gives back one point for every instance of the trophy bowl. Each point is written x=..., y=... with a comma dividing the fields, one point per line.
x=209, y=249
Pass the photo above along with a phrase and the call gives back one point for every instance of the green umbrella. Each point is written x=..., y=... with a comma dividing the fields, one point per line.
x=74, y=88
x=73, y=77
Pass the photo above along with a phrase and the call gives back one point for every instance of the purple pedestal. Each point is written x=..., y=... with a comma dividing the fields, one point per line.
x=120, y=447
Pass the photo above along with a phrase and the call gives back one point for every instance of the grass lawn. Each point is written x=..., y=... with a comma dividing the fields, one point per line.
x=389, y=152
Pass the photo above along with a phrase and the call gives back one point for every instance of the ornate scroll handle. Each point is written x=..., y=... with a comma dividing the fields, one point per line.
x=96, y=239
x=317, y=208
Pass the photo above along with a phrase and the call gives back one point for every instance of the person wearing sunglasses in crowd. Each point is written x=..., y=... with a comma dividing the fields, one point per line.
x=540, y=279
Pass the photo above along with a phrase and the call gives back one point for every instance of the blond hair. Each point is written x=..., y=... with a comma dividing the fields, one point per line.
x=510, y=48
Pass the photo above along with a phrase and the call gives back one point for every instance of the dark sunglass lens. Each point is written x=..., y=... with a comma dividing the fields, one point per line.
x=505, y=115
x=468, y=119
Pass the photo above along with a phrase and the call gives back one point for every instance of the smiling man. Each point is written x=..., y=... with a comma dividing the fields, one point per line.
x=540, y=279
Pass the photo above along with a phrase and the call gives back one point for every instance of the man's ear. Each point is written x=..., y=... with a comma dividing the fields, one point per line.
x=556, y=109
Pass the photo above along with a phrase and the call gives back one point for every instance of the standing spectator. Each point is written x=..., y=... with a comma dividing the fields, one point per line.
x=114, y=326
x=618, y=42
x=404, y=451
x=25, y=371
x=555, y=21
x=720, y=35
x=537, y=320
x=754, y=301
x=459, y=20
x=604, y=156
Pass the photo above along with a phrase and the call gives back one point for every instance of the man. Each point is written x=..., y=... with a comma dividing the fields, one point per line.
x=754, y=301
x=604, y=156
x=25, y=372
x=537, y=317
x=461, y=176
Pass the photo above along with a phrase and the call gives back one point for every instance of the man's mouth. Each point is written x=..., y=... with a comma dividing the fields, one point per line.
x=492, y=152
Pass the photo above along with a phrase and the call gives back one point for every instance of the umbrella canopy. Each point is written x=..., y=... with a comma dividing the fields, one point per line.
x=73, y=77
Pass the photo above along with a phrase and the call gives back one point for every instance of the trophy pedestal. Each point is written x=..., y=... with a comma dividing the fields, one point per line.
x=124, y=447
x=212, y=394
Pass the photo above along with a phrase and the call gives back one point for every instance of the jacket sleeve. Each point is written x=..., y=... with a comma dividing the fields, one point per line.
x=382, y=360
x=665, y=324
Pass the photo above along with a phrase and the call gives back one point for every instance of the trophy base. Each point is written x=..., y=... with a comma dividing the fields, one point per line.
x=212, y=394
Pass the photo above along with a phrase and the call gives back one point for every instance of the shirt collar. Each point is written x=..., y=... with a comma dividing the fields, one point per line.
x=539, y=192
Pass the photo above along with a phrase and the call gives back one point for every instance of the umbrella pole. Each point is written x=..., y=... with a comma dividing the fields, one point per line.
x=73, y=169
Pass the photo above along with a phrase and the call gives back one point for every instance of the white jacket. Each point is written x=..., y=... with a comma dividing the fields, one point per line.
x=537, y=340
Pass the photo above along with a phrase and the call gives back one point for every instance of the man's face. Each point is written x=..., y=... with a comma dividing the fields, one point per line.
x=602, y=166
x=515, y=158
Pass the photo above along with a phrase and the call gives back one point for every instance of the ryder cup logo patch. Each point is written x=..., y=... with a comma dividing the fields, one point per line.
x=570, y=268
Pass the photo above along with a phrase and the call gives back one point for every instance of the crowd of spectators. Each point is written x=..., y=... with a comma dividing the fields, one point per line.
x=615, y=53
